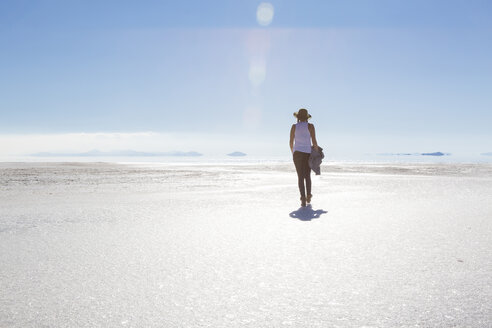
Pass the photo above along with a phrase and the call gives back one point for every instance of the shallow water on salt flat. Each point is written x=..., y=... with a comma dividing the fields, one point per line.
x=383, y=245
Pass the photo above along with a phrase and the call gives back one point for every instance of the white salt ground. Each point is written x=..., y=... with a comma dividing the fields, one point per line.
x=106, y=245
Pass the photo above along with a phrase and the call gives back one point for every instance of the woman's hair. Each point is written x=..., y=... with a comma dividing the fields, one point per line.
x=302, y=115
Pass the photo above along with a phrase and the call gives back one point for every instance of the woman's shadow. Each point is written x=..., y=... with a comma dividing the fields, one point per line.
x=306, y=213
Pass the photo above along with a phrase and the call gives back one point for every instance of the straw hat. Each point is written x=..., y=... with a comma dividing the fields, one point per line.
x=302, y=114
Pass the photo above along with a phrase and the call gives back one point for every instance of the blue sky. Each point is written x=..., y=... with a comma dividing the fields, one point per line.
x=377, y=76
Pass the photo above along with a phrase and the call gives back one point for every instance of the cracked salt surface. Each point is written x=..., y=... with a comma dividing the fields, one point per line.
x=105, y=245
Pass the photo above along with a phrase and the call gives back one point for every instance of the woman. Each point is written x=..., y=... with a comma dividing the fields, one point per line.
x=301, y=135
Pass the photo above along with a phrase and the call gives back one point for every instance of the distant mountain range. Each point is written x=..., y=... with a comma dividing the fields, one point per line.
x=416, y=154
x=487, y=154
x=122, y=153
x=236, y=154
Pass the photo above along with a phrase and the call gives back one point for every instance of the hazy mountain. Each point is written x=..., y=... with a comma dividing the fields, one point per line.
x=487, y=154
x=122, y=153
x=398, y=154
x=438, y=153
x=236, y=154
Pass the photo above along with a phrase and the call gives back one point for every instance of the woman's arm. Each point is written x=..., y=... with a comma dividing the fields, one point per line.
x=313, y=136
x=292, y=134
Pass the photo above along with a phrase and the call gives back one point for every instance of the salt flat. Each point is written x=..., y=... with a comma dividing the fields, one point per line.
x=112, y=245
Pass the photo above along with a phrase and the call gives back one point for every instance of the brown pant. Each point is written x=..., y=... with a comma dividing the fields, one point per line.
x=301, y=161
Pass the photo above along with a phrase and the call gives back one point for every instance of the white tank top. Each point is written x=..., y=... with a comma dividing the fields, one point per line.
x=302, y=139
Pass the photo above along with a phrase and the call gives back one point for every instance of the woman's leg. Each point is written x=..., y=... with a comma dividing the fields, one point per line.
x=307, y=174
x=300, y=169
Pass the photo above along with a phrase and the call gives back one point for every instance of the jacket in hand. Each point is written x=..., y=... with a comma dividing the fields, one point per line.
x=315, y=160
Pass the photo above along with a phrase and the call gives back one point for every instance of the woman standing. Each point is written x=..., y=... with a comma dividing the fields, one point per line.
x=301, y=135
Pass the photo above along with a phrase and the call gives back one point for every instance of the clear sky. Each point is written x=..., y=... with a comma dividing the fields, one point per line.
x=221, y=75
